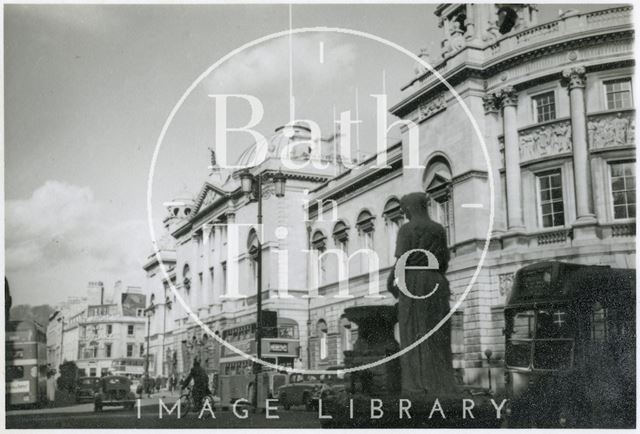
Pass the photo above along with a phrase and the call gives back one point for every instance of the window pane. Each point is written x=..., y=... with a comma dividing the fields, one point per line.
x=623, y=189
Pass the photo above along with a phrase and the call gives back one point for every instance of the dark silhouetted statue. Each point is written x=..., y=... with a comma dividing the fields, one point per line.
x=426, y=369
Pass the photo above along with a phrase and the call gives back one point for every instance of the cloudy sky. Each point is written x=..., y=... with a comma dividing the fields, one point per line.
x=89, y=87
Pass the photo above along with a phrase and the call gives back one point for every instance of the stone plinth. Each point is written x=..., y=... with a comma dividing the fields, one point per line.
x=375, y=342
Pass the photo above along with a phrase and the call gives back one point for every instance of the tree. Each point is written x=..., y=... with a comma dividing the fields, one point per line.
x=68, y=375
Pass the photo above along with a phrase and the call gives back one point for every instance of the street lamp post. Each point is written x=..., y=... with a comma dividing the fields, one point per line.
x=488, y=353
x=252, y=184
x=148, y=312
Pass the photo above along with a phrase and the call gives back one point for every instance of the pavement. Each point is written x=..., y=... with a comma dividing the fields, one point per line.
x=83, y=416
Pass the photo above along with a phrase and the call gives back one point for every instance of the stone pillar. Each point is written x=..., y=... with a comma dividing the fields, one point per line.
x=217, y=267
x=491, y=108
x=575, y=78
x=206, y=275
x=509, y=99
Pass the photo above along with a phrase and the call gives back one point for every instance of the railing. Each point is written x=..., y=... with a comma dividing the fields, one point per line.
x=592, y=22
x=554, y=237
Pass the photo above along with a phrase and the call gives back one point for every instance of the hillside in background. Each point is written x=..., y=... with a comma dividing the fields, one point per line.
x=39, y=314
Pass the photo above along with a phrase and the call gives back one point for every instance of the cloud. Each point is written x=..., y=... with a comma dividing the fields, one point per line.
x=267, y=64
x=63, y=227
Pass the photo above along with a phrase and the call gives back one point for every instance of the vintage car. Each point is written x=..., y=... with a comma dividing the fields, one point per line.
x=114, y=390
x=300, y=390
x=87, y=388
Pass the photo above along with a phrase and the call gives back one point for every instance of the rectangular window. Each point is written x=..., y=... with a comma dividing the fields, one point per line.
x=618, y=93
x=141, y=350
x=129, y=350
x=623, y=189
x=92, y=372
x=544, y=106
x=130, y=330
x=109, y=329
x=104, y=372
x=550, y=202
x=107, y=350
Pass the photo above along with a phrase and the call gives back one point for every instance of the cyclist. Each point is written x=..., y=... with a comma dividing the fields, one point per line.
x=200, y=383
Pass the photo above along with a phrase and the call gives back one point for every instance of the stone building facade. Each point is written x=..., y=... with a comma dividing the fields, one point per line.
x=554, y=104
x=103, y=334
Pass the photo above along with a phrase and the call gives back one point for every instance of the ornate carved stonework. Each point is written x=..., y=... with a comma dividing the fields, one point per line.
x=546, y=140
x=506, y=283
x=509, y=96
x=432, y=107
x=611, y=129
x=491, y=103
x=574, y=77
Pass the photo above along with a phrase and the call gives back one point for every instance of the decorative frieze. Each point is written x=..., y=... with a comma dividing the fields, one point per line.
x=611, y=129
x=432, y=107
x=545, y=141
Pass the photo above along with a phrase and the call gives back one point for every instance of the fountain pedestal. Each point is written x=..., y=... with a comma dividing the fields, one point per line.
x=375, y=342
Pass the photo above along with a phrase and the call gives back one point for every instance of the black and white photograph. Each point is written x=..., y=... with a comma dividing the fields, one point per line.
x=315, y=215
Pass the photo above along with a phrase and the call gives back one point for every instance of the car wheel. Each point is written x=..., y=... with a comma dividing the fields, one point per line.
x=306, y=400
x=283, y=399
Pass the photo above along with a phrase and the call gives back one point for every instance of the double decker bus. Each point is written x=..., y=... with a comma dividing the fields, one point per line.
x=25, y=363
x=570, y=346
x=280, y=346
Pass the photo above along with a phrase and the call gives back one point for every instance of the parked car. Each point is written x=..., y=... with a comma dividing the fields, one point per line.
x=300, y=390
x=114, y=391
x=87, y=388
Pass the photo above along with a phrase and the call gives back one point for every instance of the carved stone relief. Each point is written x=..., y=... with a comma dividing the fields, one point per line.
x=506, y=283
x=545, y=141
x=613, y=129
x=432, y=107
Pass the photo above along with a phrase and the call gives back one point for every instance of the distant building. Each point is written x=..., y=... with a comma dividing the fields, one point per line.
x=102, y=334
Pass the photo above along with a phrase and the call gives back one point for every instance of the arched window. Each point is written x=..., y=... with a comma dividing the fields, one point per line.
x=322, y=339
x=345, y=328
x=437, y=183
x=186, y=277
x=253, y=248
x=365, y=225
x=341, y=235
x=393, y=218
x=319, y=244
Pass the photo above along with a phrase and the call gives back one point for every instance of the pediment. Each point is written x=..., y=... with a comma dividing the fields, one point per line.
x=208, y=195
x=438, y=181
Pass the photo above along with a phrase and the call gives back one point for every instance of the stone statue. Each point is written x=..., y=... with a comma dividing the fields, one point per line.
x=428, y=368
x=620, y=128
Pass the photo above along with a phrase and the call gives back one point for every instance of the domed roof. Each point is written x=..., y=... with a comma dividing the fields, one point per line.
x=276, y=145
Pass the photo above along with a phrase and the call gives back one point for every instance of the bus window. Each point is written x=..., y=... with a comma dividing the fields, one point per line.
x=14, y=372
x=523, y=325
x=552, y=323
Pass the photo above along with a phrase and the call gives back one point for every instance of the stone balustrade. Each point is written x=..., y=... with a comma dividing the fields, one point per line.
x=503, y=46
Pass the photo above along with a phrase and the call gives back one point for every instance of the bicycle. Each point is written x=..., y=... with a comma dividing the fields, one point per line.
x=187, y=402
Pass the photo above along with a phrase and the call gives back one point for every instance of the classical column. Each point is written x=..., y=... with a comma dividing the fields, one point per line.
x=491, y=103
x=217, y=270
x=509, y=99
x=575, y=81
x=206, y=275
